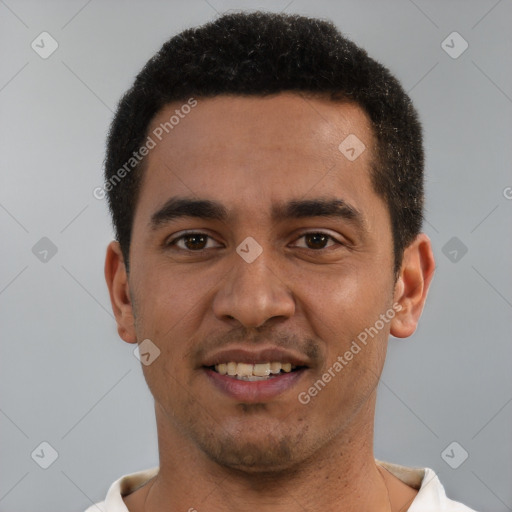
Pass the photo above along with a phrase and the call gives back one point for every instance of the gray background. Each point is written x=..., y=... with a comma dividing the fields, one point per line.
x=66, y=376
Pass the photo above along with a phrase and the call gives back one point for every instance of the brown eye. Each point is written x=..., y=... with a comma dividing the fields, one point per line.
x=317, y=240
x=195, y=241
x=192, y=242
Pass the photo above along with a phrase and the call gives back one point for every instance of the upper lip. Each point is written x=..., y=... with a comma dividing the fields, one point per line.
x=263, y=355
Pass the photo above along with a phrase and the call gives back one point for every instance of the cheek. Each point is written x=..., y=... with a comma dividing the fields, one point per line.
x=345, y=302
x=345, y=315
x=166, y=314
x=167, y=295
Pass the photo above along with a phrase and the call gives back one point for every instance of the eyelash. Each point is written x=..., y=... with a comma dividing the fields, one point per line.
x=174, y=241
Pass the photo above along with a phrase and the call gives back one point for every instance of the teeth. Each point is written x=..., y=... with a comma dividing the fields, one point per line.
x=261, y=369
x=275, y=367
x=244, y=370
x=251, y=372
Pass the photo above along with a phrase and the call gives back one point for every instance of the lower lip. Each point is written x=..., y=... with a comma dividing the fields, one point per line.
x=255, y=391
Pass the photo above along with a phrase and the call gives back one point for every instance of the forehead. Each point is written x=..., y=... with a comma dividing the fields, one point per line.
x=283, y=120
x=249, y=150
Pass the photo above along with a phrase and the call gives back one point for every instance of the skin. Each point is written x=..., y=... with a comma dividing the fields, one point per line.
x=216, y=453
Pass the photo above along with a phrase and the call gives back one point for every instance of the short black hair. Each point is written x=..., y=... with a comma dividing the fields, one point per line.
x=260, y=54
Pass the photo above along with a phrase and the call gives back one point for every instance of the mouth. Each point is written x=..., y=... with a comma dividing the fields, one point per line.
x=254, y=383
x=254, y=372
x=249, y=376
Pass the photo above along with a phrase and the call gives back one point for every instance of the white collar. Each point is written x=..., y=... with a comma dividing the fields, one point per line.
x=431, y=495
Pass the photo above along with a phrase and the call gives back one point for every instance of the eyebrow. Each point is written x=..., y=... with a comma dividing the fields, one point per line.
x=179, y=207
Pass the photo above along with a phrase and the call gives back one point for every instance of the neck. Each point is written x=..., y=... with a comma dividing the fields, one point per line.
x=341, y=473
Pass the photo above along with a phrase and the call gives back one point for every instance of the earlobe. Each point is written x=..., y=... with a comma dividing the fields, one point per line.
x=118, y=287
x=412, y=286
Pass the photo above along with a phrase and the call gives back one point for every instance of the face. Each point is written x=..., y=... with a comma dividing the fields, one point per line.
x=256, y=241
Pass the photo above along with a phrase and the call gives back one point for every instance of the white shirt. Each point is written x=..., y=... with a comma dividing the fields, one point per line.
x=431, y=496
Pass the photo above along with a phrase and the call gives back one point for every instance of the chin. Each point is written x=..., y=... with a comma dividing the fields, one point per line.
x=255, y=443
x=255, y=458
x=268, y=454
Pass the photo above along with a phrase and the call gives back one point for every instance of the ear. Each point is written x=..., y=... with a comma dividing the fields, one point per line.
x=117, y=282
x=412, y=286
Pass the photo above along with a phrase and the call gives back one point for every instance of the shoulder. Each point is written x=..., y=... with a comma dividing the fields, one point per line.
x=97, y=507
x=431, y=494
x=122, y=487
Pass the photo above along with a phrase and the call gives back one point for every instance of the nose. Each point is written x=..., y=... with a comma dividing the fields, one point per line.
x=253, y=293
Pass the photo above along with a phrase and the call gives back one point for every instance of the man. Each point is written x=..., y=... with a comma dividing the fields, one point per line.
x=265, y=178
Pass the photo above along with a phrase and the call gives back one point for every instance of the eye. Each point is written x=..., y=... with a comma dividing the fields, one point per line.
x=196, y=241
x=316, y=240
x=193, y=241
